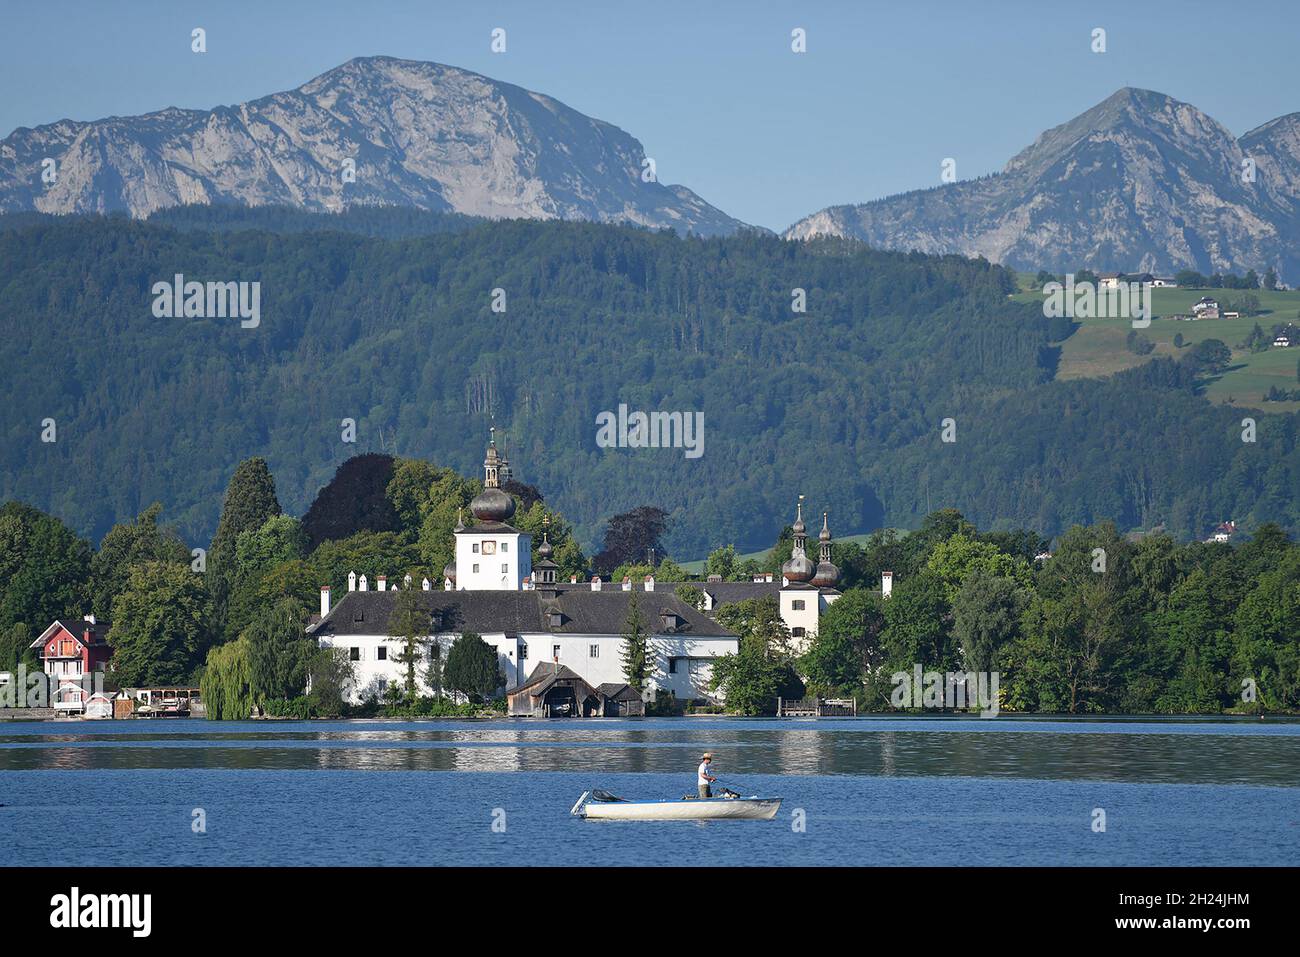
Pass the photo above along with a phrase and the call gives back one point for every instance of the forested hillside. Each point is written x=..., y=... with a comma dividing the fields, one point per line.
x=391, y=324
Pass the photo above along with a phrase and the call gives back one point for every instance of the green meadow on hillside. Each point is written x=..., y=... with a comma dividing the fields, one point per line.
x=697, y=567
x=1099, y=347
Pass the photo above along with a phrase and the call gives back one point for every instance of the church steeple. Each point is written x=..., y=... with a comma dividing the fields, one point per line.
x=827, y=575
x=492, y=462
x=492, y=504
x=546, y=569
x=503, y=468
x=798, y=568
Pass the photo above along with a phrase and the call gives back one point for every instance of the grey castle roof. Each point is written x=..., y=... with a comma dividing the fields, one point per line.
x=582, y=612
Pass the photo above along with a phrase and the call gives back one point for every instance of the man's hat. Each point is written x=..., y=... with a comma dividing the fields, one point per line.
x=707, y=755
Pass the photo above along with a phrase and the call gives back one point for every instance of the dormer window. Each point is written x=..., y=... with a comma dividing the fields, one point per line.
x=669, y=620
x=554, y=619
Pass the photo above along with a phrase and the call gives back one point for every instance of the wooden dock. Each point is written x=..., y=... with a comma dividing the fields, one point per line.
x=816, y=708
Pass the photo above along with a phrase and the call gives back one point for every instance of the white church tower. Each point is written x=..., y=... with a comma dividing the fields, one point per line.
x=491, y=555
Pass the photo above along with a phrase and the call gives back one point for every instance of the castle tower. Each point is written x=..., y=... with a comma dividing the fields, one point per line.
x=491, y=555
x=800, y=606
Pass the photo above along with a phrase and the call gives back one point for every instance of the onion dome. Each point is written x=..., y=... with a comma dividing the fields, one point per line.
x=544, y=549
x=798, y=568
x=492, y=505
x=826, y=576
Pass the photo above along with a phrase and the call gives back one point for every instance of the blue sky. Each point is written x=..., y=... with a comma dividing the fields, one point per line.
x=885, y=92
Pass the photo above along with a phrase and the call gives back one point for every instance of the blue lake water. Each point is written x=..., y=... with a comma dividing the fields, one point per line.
x=928, y=791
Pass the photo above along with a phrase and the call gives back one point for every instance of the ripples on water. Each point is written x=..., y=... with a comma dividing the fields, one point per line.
x=1218, y=752
x=875, y=791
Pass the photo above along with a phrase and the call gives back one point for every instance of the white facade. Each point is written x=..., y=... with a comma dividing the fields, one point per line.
x=497, y=560
x=800, y=610
x=682, y=664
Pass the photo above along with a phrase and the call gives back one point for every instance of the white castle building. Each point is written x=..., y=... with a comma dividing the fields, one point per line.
x=554, y=636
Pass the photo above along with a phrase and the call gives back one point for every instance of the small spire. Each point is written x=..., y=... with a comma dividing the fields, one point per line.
x=544, y=549
x=460, y=520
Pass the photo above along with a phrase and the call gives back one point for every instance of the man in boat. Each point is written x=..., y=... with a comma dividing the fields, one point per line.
x=703, y=778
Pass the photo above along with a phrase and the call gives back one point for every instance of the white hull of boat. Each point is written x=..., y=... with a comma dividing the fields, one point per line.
x=711, y=809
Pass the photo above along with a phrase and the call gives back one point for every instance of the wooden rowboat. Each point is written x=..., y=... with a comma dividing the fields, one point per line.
x=602, y=806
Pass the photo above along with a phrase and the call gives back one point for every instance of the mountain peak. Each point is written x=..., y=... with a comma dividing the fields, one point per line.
x=375, y=130
x=1140, y=180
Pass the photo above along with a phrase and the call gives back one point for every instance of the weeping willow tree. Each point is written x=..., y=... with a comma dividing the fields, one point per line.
x=227, y=683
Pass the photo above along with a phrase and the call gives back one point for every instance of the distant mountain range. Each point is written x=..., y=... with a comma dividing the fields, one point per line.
x=416, y=134
x=1141, y=181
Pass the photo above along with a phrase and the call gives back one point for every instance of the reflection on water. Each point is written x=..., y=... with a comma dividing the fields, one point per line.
x=1177, y=751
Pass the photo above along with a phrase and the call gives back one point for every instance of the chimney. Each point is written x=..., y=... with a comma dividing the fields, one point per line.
x=627, y=583
x=713, y=578
x=383, y=583
x=573, y=579
x=90, y=618
x=886, y=584
x=758, y=579
x=769, y=578
x=362, y=584
x=406, y=582
x=649, y=583
x=527, y=583
x=352, y=581
x=595, y=583
x=426, y=585
x=324, y=600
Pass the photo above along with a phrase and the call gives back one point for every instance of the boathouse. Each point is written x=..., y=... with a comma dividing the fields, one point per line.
x=555, y=691
x=621, y=700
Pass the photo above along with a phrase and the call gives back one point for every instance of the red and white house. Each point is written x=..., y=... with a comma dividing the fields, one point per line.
x=71, y=651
